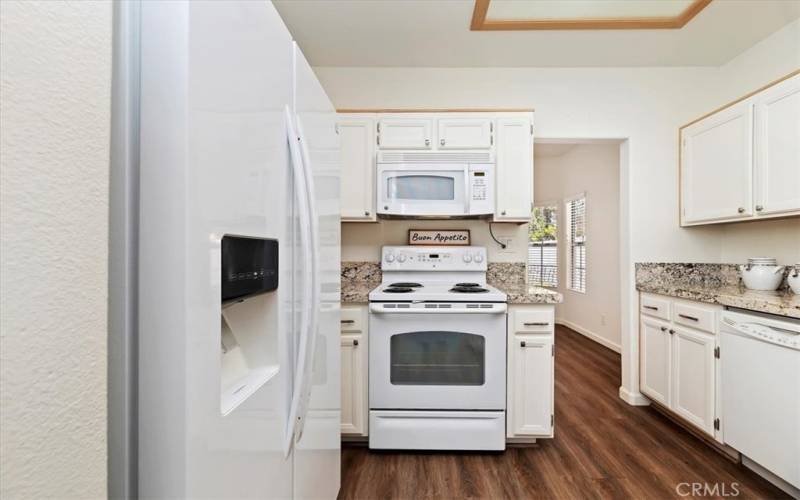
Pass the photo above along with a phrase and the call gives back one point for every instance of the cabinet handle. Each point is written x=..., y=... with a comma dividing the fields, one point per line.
x=759, y=208
x=366, y=212
x=536, y=324
x=355, y=342
x=652, y=308
x=441, y=142
x=740, y=210
x=427, y=142
x=347, y=321
x=503, y=212
x=522, y=343
x=688, y=317
x=671, y=331
x=663, y=328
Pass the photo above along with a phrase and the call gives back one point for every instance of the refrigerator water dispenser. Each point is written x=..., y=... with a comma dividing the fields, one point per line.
x=248, y=330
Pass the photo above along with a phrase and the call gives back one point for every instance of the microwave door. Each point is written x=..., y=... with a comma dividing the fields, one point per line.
x=423, y=190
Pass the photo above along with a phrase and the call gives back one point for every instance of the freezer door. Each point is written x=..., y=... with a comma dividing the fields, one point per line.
x=317, y=450
x=215, y=80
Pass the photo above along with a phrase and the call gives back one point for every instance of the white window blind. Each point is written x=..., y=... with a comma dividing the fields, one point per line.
x=543, y=246
x=576, y=241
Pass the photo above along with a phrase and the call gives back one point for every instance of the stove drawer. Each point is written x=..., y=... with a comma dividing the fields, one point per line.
x=437, y=430
x=534, y=320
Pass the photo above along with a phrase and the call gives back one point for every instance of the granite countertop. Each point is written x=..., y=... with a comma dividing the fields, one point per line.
x=520, y=293
x=357, y=291
x=359, y=278
x=713, y=284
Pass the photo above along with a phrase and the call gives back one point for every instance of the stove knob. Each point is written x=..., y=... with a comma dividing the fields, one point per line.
x=401, y=258
x=389, y=257
x=467, y=258
x=478, y=258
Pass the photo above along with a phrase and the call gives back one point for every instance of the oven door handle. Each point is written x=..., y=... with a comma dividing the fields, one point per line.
x=496, y=309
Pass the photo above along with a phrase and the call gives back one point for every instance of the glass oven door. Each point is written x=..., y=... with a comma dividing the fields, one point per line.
x=437, y=361
x=437, y=358
x=422, y=189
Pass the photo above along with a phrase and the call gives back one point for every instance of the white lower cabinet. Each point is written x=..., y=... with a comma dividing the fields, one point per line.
x=355, y=407
x=655, y=360
x=677, y=364
x=530, y=374
x=693, y=377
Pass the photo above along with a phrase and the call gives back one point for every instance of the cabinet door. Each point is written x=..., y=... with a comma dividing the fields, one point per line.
x=357, y=136
x=514, y=170
x=530, y=392
x=466, y=133
x=717, y=166
x=777, y=148
x=354, y=403
x=655, y=361
x=404, y=133
x=693, y=377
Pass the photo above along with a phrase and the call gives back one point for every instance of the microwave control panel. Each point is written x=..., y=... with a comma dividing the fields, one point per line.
x=481, y=180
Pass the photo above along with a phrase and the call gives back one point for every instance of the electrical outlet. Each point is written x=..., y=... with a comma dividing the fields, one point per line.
x=603, y=319
x=507, y=241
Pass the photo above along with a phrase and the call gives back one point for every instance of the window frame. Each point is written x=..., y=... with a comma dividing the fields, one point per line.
x=569, y=285
x=540, y=204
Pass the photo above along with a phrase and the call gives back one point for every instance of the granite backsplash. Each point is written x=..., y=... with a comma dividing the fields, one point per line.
x=512, y=273
x=692, y=275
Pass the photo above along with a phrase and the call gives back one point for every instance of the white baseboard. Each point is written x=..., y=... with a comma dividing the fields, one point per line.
x=590, y=334
x=633, y=398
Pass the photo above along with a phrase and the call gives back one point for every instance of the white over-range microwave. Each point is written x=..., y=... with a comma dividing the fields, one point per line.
x=435, y=184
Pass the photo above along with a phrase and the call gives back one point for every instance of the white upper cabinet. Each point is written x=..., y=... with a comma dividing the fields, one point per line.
x=405, y=133
x=357, y=136
x=777, y=152
x=717, y=166
x=466, y=133
x=514, y=175
x=743, y=162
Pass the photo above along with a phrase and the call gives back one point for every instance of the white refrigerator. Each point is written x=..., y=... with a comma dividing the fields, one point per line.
x=237, y=138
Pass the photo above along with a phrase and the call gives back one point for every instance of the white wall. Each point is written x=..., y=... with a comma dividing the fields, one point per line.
x=644, y=105
x=592, y=169
x=54, y=150
x=363, y=241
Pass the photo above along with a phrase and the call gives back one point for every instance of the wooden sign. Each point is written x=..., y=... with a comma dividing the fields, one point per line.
x=452, y=237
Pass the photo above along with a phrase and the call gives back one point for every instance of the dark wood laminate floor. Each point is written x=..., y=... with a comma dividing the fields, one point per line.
x=603, y=448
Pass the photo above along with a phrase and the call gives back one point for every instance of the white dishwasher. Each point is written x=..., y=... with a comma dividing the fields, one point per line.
x=760, y=363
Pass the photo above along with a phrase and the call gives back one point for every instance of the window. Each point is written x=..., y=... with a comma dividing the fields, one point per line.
x=576, y=243
x=543, y=246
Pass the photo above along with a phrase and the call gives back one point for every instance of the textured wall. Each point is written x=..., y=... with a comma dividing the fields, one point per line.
x=54, y=140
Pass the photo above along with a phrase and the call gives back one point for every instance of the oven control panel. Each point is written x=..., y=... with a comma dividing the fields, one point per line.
x=433, y=258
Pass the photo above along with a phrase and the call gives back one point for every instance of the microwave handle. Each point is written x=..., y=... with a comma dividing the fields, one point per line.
x=467, y=190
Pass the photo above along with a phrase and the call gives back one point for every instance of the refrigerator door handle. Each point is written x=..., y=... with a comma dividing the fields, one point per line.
x=315, y=302
x=301, y=193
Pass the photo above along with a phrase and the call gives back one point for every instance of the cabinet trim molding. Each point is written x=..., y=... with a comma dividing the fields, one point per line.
x=480, y=23
x=746, y=96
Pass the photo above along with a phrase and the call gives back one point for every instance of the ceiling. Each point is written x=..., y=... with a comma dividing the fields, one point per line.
x=435, y=33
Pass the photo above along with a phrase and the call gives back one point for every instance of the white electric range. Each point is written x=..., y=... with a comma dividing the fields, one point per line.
x=437, y=358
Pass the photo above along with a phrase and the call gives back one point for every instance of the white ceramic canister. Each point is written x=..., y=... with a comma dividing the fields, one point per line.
x=762, y=277
x=794, y=279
